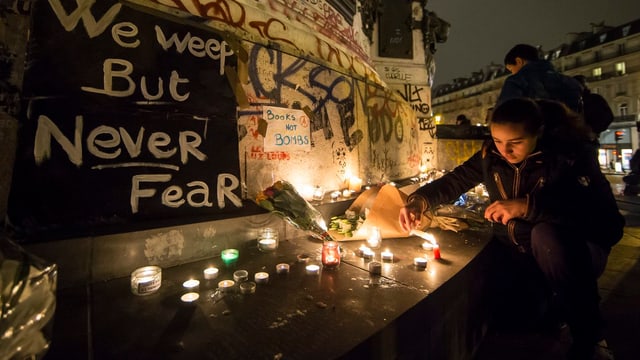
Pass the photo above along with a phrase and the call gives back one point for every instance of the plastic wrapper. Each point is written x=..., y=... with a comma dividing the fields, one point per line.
x=28, y=300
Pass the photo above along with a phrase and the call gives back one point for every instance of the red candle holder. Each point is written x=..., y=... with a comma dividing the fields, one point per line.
x=330, y=255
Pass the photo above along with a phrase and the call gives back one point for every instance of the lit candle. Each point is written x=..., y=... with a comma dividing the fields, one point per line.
x=375, y=238
x=330, y=254
x=267, y=239
x=420, y=262
x=436, y=251
x=427, y=245
x=248, y=287
x=346, y=193
x=210, y=273
x=241, y=275
x=362, y=249
x=368, y=254
x=226, y=285
x=387, y=256
x=282, y=268
x=191, y=285
x=303, y=258
x=146, y=280
x=190, y=297
x=355, y=184
x=229, y=256
x=312, y=269
x=335, y=195
x=318, y=193
x=261, y=277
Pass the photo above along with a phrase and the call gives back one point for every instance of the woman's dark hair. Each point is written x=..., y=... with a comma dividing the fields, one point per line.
x=559, y=127
x=523, y=111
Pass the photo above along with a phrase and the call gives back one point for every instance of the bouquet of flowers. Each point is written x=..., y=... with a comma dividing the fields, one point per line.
x=282, y=199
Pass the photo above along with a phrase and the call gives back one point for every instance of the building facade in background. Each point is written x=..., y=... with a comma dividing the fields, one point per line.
x=609, y=57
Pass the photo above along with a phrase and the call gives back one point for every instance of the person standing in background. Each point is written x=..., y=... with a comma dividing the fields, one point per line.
x=536, y=78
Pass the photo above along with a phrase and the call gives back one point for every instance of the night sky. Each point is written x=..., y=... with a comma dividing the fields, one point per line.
x=483, y=31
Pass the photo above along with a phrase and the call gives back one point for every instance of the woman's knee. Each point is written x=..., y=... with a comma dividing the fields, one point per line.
x=544, y=237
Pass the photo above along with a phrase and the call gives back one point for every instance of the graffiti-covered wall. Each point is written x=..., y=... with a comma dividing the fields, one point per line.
x=186, y=109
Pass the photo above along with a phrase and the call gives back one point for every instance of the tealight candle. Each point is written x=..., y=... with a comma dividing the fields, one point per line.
x=303, y=258
x=229, y=256
x=355, y=184
x=240, y=275
x=427, y=245
x=362, y=249
x=368, y=254
x=346, y=193
x=189, y=297
x=267, y=239
x=282, y=268
x=210, y=273
x=318, y=193
x=226, y=285
x=335, y=195
x=248, y=287
x=146, y=280
x=261, y=277
x=387, y=256
x=191, y=285
x=420, y=262
x=312, y=269
x=436, y=251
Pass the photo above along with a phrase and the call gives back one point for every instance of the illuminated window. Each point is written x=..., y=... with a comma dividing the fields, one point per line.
x=621, y=68
x=597, y=72
x=438, y=119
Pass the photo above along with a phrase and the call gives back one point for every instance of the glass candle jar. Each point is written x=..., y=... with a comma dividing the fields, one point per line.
x=229, y=256
x=375, y=238
x=146, y=280
x=330, y=254
x=267, y=239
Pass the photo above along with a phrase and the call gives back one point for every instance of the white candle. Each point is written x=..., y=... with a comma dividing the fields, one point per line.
x=318, y=193
x=261, y=277
x=420, y=262
x=191, y=285
x=189, y=297
x=355, y=184
x=267, y=244
x=226, y=285
x=210, y=273
x=427, y=245
x=387, y=256
x=313, y=269
x=346, y=193
x=368, y=254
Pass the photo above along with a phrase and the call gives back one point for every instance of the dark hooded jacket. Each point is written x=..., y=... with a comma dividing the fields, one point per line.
x=567, y=189
x=539, y=80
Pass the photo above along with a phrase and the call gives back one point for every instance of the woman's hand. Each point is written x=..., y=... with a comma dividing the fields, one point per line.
x=502, y=211
x=411, y=214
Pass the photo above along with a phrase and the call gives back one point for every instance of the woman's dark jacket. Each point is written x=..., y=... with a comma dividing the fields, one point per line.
x=561, y=187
